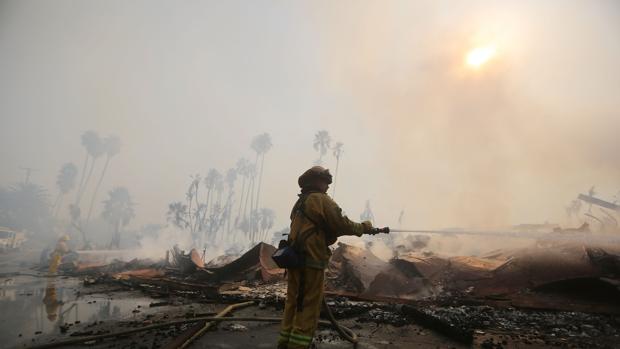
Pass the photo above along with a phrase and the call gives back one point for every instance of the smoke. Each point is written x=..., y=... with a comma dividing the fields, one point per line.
x=154, y=246
x=396, y=244
x=187, y=87
x=511, y=142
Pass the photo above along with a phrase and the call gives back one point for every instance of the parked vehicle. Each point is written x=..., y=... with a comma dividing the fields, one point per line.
x=10, y=239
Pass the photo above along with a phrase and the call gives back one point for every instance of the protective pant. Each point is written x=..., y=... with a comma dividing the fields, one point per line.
x=298, y=326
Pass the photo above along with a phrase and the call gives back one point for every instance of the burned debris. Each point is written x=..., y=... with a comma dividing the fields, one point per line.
x=558, y=286
x=539, y=295
x=254, y=265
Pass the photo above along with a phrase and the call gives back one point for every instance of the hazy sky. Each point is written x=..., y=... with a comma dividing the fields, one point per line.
x=186, y=85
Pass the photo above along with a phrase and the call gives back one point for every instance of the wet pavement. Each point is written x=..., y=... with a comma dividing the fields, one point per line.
x=33, y=307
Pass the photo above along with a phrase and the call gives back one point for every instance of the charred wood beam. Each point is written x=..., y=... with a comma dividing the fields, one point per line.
x=196, y=332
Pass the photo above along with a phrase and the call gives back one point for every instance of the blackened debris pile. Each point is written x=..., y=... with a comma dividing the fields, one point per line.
x=533, y=277
x=256, y=264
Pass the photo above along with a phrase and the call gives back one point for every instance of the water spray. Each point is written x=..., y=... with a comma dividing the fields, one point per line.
x=557, y=236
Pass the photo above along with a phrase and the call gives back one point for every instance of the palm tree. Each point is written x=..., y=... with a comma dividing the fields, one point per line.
x=65, y=182
x=111, y=146
x=94, y=149
x=254, y=222
x=261, y=145
x=217, y=210
x=92, y=144
x=321, y=144
x=231, y=178
x=337, y=151
x=268, y=217
x=75, y=213
x=118, y=212
x=211, y=181
x=219, y=190
x=193, y=217
x=215, y=222
x=243, y=166
x=86, y=138
x=249, y=196
x=177, y=213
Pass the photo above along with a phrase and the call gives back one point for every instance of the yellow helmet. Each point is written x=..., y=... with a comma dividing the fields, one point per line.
x=65, y=238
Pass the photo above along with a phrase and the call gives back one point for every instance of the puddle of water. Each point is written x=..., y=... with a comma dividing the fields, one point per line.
x=30, y=305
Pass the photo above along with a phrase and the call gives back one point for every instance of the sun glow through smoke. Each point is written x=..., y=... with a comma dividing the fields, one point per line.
x=478, y=56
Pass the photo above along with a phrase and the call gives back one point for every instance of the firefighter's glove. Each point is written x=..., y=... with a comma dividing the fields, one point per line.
x=367, y=227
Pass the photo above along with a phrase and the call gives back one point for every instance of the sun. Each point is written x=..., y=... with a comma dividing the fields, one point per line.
x=478, y=56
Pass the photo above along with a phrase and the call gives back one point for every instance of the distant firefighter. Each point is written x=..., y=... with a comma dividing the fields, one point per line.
x=60, y=250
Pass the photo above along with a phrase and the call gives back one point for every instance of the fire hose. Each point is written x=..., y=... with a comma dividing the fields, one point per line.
x=344, y=332
x=558, y=236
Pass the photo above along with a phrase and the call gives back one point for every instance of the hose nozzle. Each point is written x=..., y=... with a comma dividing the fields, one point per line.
x=384, y=230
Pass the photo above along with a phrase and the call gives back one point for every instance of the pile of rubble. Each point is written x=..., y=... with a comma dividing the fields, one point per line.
x=586, y=274
x=527, y=277
x=462, y=297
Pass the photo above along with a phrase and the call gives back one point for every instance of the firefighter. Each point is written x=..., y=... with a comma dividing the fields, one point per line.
x=60, y=250
x=316, y=223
